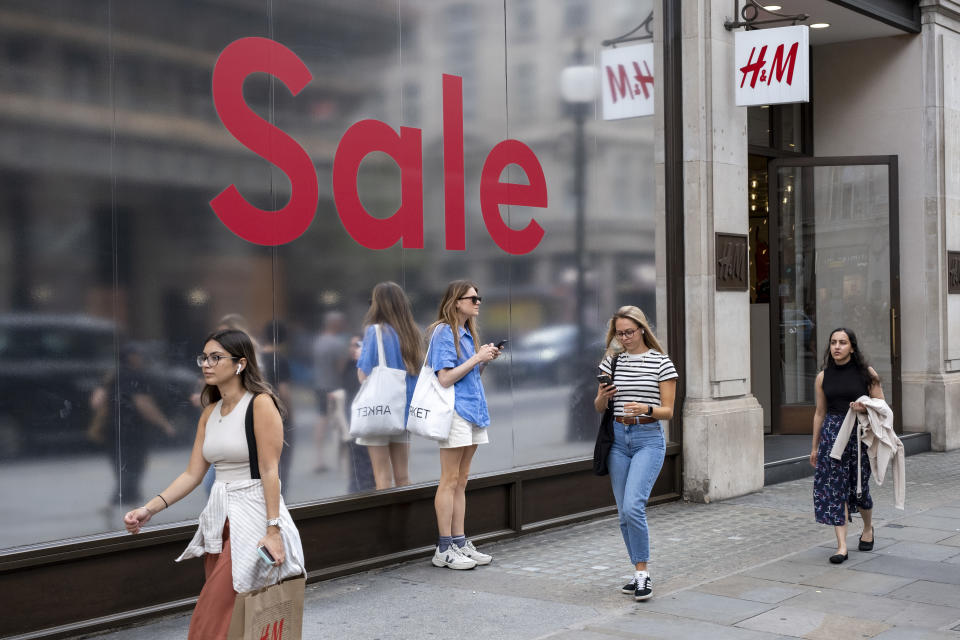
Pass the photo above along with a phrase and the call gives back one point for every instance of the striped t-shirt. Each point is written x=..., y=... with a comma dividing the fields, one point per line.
x=638, y=378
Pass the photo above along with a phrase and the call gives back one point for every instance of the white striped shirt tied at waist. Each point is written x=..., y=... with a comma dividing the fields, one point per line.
x=243, y=504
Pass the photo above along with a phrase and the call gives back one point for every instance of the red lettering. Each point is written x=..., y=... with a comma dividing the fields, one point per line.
x=276, y=633
x=453, y=173
x=753, y=67
x=643, y=79
x=406, y=224
x=494, y=193
x=619, y=83
x=240, y=59
x=778, y=66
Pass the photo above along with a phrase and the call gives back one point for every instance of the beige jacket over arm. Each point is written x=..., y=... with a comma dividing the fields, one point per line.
x=883, y=446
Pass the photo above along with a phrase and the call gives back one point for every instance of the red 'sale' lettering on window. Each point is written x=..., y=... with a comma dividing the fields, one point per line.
x=239, y=60
x=406, y=224
x=453, y=172
x=494, y=193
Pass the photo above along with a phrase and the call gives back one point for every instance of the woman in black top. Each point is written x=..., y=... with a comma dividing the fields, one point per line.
x=845, y=378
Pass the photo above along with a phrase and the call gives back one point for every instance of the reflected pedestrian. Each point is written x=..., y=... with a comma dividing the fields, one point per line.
x=458, y=359
x=245, y=509
x=403, y=349
x=642, y=387
x=276, y=372
x=844, y=378
x=329, y=355
x=125, y=412
x=359, y=467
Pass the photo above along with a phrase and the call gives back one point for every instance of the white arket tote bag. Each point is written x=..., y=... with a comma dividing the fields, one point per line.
x=431, y=408
x=379, y=407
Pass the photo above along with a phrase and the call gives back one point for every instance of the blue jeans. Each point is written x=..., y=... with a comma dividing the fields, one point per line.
x=635, y=461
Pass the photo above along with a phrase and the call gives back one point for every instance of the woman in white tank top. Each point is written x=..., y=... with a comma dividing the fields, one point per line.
x=245, y=509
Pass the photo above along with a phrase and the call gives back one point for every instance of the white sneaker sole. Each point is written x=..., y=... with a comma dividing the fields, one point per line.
x=441, y=564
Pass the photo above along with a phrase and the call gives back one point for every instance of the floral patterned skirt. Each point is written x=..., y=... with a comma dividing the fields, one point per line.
x=835, y=481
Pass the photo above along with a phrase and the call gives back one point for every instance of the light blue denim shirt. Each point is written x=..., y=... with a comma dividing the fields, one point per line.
x=470, y=401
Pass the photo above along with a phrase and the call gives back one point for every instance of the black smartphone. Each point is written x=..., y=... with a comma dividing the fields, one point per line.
x=604, y=378
x=501, y=344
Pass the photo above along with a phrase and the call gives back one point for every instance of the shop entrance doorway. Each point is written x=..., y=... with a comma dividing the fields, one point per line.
x=833, y=262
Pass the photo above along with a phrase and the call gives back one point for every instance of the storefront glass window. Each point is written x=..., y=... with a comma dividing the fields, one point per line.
x=115, y=266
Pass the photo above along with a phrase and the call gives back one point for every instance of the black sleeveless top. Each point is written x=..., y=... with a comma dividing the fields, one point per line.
x=842, y=384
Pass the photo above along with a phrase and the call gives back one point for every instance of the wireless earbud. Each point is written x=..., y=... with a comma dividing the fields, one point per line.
x=239, y=367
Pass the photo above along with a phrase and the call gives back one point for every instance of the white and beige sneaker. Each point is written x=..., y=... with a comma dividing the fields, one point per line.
x=452, y=558
x=471, y=552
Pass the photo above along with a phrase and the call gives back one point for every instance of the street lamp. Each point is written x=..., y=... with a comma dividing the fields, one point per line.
x=578, y=86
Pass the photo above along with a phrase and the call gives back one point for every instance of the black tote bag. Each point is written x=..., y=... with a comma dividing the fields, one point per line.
x=601, y=450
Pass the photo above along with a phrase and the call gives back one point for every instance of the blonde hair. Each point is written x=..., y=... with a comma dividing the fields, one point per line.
x=390, y=305
x=634, y=314
x=447, y=313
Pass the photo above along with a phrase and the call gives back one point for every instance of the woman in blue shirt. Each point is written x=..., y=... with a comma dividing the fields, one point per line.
x=459, y=361
x=403, y=349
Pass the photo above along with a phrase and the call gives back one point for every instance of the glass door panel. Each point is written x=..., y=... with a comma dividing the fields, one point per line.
x=834, y=267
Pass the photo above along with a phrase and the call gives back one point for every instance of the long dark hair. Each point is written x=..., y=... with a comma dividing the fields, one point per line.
x=390, y=305
x=239, y=345
x=857, y=357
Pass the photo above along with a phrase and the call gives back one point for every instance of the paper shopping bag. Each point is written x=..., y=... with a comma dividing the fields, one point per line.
x=271, y=613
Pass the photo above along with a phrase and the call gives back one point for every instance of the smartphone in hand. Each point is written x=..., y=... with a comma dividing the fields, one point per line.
x=265, y=555
x=604, y=378
x=501, y=344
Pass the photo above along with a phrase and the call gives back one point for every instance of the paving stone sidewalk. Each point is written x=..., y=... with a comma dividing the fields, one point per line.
x=750, y=567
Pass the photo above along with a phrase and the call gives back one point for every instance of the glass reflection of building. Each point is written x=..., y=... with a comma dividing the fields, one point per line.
x=113, y=150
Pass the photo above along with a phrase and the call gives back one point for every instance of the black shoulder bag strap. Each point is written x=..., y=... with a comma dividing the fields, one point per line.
x=601, y=450
x=252, y=442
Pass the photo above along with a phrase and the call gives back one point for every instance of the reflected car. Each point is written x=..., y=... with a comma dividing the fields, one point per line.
x=49, y=366
x=794, y=321
x=548, y=355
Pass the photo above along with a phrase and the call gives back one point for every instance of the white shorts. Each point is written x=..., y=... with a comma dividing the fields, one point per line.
x=464, y=434
x=382, y=441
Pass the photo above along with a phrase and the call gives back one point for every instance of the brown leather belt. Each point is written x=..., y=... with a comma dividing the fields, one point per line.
x=637, y=420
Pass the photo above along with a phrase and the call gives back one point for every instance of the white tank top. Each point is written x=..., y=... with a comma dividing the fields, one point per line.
x=225, y=441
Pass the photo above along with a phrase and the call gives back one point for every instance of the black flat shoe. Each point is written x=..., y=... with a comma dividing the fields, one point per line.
x=867, y=546
x=837, y=558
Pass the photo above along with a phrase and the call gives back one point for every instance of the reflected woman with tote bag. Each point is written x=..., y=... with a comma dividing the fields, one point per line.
x=402, y=349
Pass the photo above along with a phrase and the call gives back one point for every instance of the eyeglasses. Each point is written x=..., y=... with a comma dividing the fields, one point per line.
x=214, y=359
x=473, y=299
x=626, y=334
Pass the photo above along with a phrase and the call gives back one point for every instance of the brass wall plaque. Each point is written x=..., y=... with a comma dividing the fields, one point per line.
x=953, y=271
x=732, y=261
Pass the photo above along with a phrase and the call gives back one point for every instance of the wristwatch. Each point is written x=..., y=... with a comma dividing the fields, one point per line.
x=649, y=411
x=275, y=522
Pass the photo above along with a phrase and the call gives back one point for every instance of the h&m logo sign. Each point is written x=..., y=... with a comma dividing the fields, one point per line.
x=771, y=66
x=262, y=55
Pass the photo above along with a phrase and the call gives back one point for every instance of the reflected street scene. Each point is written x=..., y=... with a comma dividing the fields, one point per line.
x=409, y=118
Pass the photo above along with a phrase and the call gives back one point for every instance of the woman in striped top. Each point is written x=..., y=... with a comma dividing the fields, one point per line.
x=642, y=389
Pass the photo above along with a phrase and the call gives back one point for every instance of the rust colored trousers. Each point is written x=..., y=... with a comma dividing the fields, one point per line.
x=211, y=616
